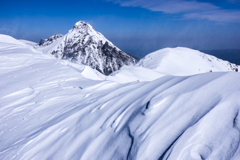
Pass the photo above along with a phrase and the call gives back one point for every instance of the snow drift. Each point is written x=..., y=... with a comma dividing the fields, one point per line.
x=48, y=110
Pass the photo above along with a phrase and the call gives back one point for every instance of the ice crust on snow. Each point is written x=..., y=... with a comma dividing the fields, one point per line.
x=49, y=110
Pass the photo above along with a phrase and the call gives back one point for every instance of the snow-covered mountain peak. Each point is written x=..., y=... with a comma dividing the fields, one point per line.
x=82, y=25
x=81, y=30
x=83, y=45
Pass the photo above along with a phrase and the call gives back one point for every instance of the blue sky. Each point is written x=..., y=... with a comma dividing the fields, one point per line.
x=136, y=26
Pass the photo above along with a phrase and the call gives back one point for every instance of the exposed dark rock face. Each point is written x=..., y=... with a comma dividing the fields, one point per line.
x=83, y=45
x=50, y=40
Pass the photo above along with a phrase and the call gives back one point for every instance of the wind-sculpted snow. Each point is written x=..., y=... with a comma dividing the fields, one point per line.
x=83, y=45
x=48, y=110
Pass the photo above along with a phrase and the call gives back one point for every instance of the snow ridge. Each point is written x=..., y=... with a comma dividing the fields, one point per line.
x=83, y=45
x=49, y=40
x=183, y=61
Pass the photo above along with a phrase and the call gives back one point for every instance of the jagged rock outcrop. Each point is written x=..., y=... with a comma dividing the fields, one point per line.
x=49, y=40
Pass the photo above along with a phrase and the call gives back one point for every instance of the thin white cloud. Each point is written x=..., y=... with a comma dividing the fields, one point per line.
x=234, y=1
x=218, y=15
x=182, y=6
x=190, y=9
x=168, y=6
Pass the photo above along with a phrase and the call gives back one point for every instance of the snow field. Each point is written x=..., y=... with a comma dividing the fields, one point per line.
x=50, y=110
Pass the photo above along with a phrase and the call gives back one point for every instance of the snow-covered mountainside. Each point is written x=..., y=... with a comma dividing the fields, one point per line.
x=49, y=40
x=182, y=61
x=10, y=40
x=49, y=110
x=30, y=43
x=171, y=61
x=83, y=45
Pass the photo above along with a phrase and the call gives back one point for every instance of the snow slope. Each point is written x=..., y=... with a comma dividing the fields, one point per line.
x=132, y=73
x=30, y=43
x=182, y=61
x=48, y=110
x=9, y=39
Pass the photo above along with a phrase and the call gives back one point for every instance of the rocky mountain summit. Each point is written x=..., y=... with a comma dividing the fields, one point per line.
x=83, y=45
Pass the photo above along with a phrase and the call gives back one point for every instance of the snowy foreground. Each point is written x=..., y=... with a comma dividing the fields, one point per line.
x=50, y=110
